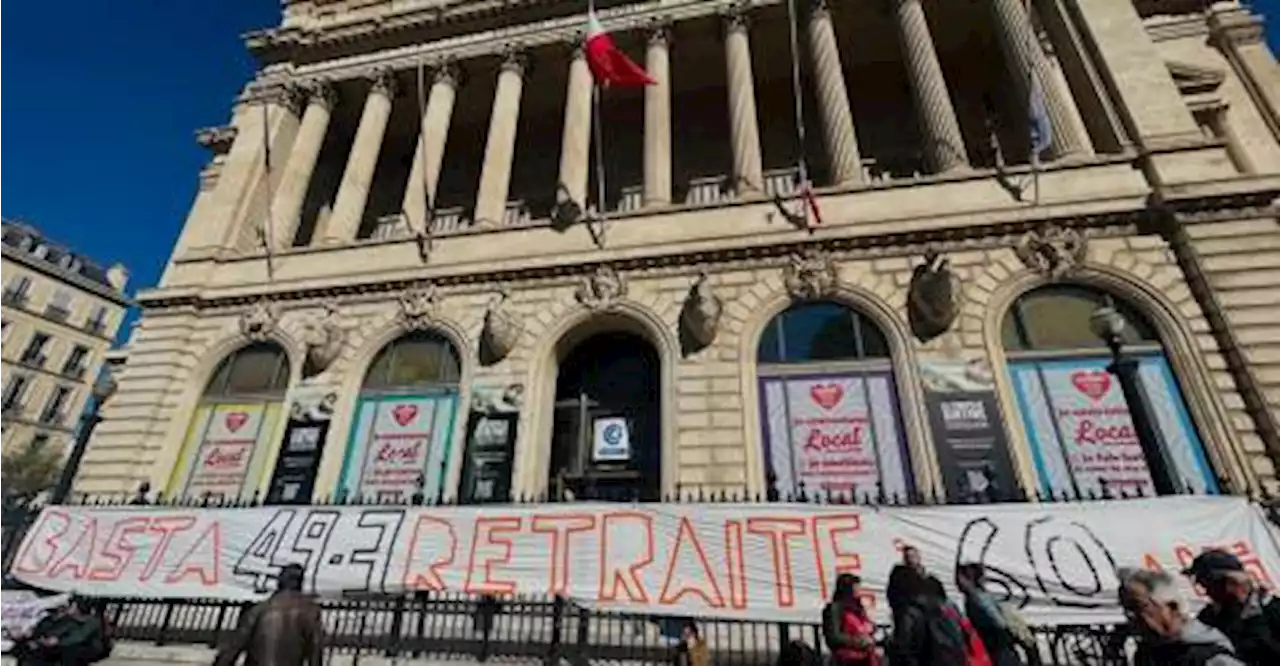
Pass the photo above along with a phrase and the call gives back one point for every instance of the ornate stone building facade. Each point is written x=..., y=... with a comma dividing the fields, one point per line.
x=414, y=270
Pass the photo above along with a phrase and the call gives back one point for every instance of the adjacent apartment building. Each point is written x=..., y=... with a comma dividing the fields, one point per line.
x=434, y=286
x=60, y=315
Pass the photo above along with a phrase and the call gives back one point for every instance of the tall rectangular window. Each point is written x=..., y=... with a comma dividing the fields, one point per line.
x=13, y=392
x=97, y=322
x=34, y=353
x=59, y=307
x=75, y=365
x=53, y=410
x=15, y=293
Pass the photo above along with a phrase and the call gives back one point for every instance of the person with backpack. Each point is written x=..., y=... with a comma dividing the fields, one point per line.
x=926, y=629
x=1166, y=636
x=1247, y=614
x=284, y=630
x=988, y=620
x=847, y=628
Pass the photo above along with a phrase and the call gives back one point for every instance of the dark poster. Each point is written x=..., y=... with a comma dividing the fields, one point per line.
x=491, y=443
x=294, y=479
x=968, y=433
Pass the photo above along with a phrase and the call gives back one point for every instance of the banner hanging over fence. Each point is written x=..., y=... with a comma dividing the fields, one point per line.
x=750, y=561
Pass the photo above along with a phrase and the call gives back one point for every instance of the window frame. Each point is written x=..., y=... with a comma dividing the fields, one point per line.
x=447, y=354
x=222, y=374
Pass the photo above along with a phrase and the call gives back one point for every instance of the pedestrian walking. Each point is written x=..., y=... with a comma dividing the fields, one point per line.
x=1241, y=609
x=692, y=649
x=986, y=616
x=847, y=628
x=284, y=630
x=1166, y=636
x=925, y=630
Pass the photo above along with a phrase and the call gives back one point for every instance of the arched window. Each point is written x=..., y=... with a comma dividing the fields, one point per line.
x=1083, y=441
x=401, y=436
x=831, y=420
x=228, y=441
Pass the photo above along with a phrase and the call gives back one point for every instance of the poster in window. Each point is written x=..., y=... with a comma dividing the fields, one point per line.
x=227, y=444
x=611, y=439
x=968, y=431
x=310, y=410
x=1082, y=439
x=395, y=440
x=835, y=434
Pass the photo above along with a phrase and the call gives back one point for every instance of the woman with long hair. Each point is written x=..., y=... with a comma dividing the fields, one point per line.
x=846, y=626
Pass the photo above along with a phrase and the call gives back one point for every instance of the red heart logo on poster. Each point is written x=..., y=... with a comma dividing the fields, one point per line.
x=826, y=395
x=404, y=414
x=236, y=420
x=1093, y=383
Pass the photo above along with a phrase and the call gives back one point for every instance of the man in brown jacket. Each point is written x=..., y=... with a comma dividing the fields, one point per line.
x=284, y=630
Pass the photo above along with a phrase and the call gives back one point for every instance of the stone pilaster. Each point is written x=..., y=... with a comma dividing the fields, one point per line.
x=833, y=98
x=744, y=127
x=500, y=146
x=939, y=127
x=353, y=193
x=1024, y=56
x=428, y=154
x=657, y=119
x=298, y=169
x=1239, y=36
x=575, y=145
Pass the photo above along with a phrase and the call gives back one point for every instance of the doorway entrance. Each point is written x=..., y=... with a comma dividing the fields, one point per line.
x=606, y=440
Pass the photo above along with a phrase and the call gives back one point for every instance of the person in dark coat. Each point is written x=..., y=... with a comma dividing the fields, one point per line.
x=1248, y=614
x=72, y=636
x=925, y=633
x=284, y=630
x=984, y=613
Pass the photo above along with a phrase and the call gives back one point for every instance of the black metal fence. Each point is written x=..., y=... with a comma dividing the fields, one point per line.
x=436, y=625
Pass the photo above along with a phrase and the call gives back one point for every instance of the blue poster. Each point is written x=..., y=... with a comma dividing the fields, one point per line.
x=396, y=440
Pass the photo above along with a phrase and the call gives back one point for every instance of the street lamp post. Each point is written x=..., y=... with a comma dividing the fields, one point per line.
x=1108, y=324
x=102, y=389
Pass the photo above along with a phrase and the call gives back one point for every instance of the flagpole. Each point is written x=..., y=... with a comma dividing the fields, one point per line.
x=598, y=131
x=797, y=95
x=424, y=233
x=267, y=226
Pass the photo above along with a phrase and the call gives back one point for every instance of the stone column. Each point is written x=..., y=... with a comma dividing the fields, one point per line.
x=500, y=146
x=428, y=153
x=939, y=128
x=657, y=119
x=833, y=98
x=575, y=146
x=298, y=169
x=353, y=192
x=1023, y=55
x=744, y=129
x=1238, y=34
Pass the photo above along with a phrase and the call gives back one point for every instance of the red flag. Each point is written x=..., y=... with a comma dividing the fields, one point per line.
x=811, y=200
x=609, y=65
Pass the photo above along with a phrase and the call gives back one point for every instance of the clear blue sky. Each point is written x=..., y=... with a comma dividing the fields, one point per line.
x=103, y=101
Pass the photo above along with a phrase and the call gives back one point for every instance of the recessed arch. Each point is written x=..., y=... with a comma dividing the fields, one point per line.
x=230, y=437
x=1189, y=413
x=555, y=344
x=405, y=419
x=831, y=422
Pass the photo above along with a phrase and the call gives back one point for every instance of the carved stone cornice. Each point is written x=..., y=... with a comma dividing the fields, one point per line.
x=1234, y=27
x=216, y=139
x=292, y=41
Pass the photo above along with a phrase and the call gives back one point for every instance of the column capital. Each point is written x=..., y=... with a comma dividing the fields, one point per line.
x=819, y=10
x=576, y=43
x=514, y=59
x=658, y=32
x=322, y=92
x=383, y=82
x=736, y=17
x=448, y=72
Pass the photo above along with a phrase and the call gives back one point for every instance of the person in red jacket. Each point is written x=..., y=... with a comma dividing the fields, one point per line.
x=846, y=626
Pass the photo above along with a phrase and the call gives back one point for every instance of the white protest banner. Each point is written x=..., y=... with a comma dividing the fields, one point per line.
x=751, y=561
x=20, y=610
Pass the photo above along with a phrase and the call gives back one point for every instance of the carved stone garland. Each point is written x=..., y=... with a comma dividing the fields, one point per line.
x=259, y=321
x=811, y=275
x=700, y=316
x=601, y=289
x=324, y=338
x=419, y=306
x=502, y=328
x=1053, y=251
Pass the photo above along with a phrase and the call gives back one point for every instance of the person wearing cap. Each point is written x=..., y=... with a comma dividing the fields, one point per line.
x=1247, y=614
x=284, y=630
